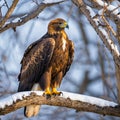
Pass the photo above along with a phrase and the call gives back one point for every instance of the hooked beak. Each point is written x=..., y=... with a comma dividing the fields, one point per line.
x=67, y=26
x=64, y=25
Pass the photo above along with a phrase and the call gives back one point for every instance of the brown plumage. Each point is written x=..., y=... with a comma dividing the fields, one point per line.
x=46, y=62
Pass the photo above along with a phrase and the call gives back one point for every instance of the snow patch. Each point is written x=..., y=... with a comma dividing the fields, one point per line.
x=104, y=32
x=51, y=1
x=113, y=9
x=89, y=99
x=113, y=46
x=100, y=2
x=96, y=20
x=92, y=14
x=110, y=8
x=11, y=99
x=18, y=96
x=16, y=20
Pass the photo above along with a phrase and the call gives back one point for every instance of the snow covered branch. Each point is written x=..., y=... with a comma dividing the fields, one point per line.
x=111, y=10
x=70, y=100
x=104, y=31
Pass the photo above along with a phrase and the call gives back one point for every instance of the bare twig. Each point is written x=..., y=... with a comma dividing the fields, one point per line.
x=29, y=16
x=8, y=14
x=108, y=26
x=106, y=22
x=112, y=13
x=100, y=30
x=6, y=4
x=103, y=34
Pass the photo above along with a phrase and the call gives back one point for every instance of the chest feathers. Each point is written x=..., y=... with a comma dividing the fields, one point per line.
x=63, y=44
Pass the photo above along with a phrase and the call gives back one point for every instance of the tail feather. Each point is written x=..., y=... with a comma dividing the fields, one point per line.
x=32, y=110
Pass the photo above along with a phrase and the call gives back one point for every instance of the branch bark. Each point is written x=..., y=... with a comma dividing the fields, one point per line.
x=70, y=100
x=8, y=14
x=103, y=32
x=112, y=14
x=29, y=16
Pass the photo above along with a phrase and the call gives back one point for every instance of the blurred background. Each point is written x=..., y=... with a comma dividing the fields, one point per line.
x=92, y=72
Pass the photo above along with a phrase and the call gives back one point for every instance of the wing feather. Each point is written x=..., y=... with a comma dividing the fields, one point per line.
x=71, y=55
x=36, y=59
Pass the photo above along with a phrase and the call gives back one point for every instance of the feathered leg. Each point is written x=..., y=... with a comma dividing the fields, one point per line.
x=45, y=82
x=56, y=83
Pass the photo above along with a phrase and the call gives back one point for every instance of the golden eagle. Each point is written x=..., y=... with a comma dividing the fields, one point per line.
x=45, y=62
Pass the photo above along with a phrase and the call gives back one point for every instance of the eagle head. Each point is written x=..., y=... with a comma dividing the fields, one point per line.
x=57, y=25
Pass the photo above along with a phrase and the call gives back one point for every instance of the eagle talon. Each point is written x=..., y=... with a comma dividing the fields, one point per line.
x=61, y=93
x=53, y=94
x=57, y=93
x=47, y=95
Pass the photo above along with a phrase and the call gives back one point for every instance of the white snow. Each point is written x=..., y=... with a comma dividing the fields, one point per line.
x=113, y=46
x=96, y=20
x=113, y=9
x=104, y=32
x=84, y=98
x=16, y=20
x=9, y=100
x=51, y=1
x=89, y=99
x=109, y=7
x=18, y=96
x=92, y=14
x=101, y=3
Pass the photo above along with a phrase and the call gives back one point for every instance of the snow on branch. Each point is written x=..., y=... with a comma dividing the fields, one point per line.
x=71, y=100
x=53, y=1
x=30, y=15
x=102, y=32
x=111, y=10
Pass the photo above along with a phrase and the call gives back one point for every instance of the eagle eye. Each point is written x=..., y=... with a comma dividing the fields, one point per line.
x=60, y=23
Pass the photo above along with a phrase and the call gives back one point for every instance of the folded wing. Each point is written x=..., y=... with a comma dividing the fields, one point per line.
x=36, y=59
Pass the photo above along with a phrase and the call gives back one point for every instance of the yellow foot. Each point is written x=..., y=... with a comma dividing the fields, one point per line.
x=47, y=93
x=55, y=92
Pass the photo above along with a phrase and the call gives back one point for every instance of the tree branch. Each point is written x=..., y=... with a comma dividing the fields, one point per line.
x=103, y=32
x=29, y=16
x=89, y=13
x=8, y=14
x=111, y=10
x=70, y=100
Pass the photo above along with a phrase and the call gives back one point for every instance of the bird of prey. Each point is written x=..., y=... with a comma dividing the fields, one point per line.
x=45, y=63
